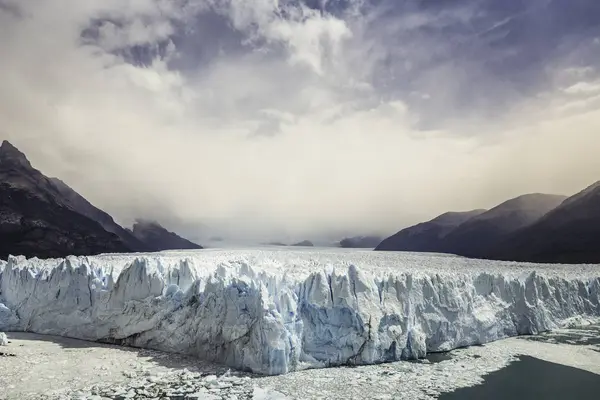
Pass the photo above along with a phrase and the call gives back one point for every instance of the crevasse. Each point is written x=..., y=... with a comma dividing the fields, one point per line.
x=269, y=316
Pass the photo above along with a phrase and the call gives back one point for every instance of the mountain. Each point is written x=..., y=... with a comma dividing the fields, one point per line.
x=280, y=244
x=304, y=243
x=478, y=235
x=360, y=242
x=570, y=233
x=78, y=203
x=36, y=220
x=426, y=236
x=153, y=235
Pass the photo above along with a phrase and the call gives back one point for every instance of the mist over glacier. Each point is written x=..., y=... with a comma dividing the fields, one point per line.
x=276, y=311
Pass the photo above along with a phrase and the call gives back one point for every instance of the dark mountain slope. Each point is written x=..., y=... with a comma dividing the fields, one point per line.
x=426, y=236
x=153, y=235
x=475, y=237
x=570, y=233
x=360, y=242
x=36, y=221
x=79, y=204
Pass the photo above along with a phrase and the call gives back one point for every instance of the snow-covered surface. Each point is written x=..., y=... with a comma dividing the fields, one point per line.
x=276, y=311
x=55, y=368
x=61, y=368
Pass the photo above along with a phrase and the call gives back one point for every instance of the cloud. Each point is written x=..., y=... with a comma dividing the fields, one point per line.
x=583, y=88
x=294, y=118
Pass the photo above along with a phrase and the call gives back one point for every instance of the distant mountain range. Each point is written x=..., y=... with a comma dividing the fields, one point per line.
x=360, y=242
x=304, y=243
x=79, y=204
x=478, y=235
x=570, y=233
x=427, y=236
x=158, y=238
x=43, y=217
x=533, y=228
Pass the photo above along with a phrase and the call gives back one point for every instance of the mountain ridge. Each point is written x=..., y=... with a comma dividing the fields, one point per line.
x=84, y=207
x=533, y=227
x=474, y=237
x=34, y=219
x=426, y=236
x=570, y=233
x=154, y=235
x=44, y=217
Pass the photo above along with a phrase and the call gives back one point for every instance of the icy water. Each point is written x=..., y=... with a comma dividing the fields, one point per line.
x=532, y=378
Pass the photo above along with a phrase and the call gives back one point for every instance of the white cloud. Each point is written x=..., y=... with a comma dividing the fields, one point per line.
x=154, y=141
x=584, y=88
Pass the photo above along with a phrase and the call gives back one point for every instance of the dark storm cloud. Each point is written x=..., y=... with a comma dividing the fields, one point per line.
x=497, y=53
x=296, y=118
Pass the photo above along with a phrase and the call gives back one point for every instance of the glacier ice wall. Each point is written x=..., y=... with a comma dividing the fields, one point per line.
x=271, y=315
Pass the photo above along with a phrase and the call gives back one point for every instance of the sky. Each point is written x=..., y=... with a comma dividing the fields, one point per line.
x=266, y=119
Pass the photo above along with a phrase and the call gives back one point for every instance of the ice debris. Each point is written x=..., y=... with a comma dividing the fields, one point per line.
x=181, y=385
x=3, y=339
x=273, y=314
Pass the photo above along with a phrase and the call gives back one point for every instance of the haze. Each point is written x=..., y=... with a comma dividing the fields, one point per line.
x=302, y=119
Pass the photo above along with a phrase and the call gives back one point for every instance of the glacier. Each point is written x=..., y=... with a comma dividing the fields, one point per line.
x=273, y=311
